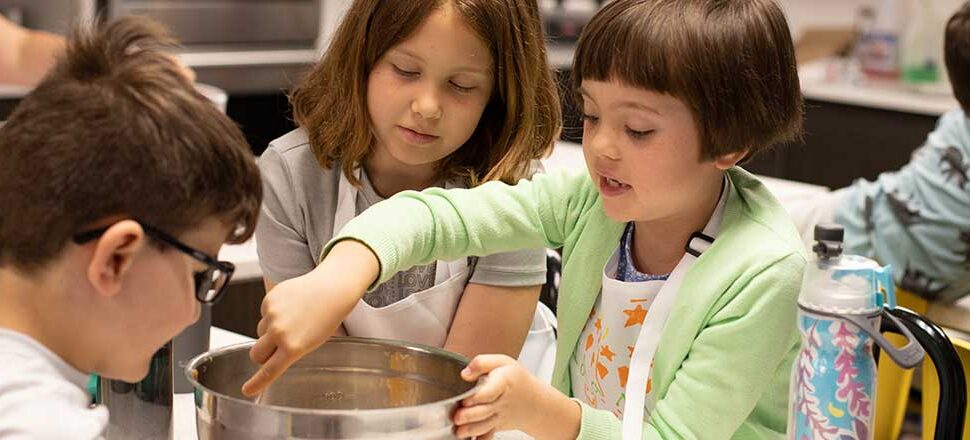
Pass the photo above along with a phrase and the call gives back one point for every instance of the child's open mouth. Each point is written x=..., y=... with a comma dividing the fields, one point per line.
x=612, y=187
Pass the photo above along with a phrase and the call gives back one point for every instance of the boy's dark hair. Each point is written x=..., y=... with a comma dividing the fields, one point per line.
x=731, y=62
x=957, y=54
x=117, y=129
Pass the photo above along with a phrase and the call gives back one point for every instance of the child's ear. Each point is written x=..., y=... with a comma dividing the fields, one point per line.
x=113, y=256
x=729, y=160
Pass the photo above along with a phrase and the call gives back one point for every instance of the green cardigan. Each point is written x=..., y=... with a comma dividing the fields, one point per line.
x=724, y=360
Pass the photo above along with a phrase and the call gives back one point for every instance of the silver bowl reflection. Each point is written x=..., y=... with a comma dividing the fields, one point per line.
x=349, y=388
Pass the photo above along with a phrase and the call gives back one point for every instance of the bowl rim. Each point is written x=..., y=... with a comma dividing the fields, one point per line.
x=197, y=387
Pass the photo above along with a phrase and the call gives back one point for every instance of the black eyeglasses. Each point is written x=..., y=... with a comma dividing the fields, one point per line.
x=210, y=283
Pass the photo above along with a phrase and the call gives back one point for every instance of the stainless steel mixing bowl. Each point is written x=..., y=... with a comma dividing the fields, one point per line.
x=349, y=388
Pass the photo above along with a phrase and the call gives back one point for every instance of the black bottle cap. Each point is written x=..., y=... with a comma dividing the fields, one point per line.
x=828, y=240
x=829, y=232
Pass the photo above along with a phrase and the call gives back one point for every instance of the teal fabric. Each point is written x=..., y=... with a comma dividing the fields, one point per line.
x=918, y=218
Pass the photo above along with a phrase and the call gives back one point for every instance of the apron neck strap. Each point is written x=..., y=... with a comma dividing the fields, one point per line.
x=648, y=339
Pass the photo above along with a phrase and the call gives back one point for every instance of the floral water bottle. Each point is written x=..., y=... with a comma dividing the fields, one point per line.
x=842, y=301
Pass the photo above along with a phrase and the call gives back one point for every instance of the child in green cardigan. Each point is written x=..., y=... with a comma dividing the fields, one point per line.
x=680, y=270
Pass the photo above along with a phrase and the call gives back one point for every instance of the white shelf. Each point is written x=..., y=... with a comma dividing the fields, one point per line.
x=892, y=96
x=249, y=58
x=244, y=257
x=560, y=56
x=12, y=92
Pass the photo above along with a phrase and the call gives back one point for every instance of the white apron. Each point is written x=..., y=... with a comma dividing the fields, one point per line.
x=425, y=317
x=653, y=324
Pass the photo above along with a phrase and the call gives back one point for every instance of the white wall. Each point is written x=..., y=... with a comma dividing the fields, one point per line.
x=331, y=12
x=841, y=13
x=801, y=14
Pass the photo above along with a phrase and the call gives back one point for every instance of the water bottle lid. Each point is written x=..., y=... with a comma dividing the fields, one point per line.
x=828, y=240
x=830, y=232
x=848, y=284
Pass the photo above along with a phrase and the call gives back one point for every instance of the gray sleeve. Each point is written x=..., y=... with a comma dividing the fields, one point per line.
x=511, y=269
x=281, y=238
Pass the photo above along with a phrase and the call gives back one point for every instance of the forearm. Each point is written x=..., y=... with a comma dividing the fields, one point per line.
x=25, y=55
x=349, y=269
x=558, y=418
x=417, y=228
x=38, y=54
x=492, y=319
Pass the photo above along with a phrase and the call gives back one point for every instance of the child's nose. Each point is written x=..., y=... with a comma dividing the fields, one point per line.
x=427, y=104
x=601, y=144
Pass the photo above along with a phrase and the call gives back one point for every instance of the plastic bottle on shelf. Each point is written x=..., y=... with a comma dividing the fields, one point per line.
x=921, y=52
x=584, y=7
x=548, y=7
x=879, y=44
x=849, y=71
x=568, y=20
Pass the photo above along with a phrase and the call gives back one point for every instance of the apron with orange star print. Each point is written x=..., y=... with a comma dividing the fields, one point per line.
x=624, y=327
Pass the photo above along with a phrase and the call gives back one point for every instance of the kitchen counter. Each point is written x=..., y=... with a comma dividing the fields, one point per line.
x=560, y=55
x=183, y=405
x=239, y=58
x=12, y=92
x=244, y=257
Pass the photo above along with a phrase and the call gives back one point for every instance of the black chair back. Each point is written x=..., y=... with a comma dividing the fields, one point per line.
x=953, y=386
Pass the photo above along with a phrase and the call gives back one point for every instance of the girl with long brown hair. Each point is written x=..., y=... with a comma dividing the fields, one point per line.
x=410, y=95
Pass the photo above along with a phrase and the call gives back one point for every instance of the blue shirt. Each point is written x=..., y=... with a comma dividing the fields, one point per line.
x=625, y=270
x=918, y=218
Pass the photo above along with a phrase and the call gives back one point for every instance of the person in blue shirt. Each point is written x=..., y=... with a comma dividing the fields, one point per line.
x=916, y=218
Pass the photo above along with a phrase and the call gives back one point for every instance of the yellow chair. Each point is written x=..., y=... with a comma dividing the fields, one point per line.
x=893, y=383
x=931, y=389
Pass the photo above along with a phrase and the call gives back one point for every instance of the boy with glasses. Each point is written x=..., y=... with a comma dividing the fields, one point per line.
x=118, y=185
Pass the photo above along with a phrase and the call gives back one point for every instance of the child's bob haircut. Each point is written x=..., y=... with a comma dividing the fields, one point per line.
x=116, y=129
x=957, y=54
x=519, y=124
x=730, y=61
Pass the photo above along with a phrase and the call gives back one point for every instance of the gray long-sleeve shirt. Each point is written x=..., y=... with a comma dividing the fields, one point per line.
x=299, y=203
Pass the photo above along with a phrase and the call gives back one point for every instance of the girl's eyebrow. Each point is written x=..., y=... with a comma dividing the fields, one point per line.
x=629, y=103
x=460, y=69
x=626, y=103
x=406, y=52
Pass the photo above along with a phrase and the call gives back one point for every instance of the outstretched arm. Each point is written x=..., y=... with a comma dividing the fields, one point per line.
x=26, y=55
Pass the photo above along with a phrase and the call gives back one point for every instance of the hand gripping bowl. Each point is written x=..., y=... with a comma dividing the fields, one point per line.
x=349, y=388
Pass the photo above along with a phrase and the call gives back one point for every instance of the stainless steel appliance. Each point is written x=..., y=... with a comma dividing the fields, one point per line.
x=225, y=24
x=49, y=15
x=241, y=46
x=144, y=409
